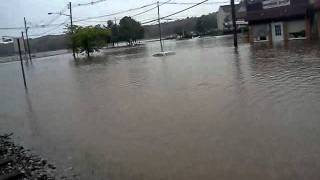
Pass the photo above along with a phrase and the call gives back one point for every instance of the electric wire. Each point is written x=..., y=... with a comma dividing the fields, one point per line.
x=91, y=19
x=50, y=30
x=113, y=14
x=89, y=3
x=178, y=12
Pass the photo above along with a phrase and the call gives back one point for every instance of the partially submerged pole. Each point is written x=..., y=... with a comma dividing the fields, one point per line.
x=22, y=68
x=71, y=23
x=24, y=46
x=160, y=33
x=26, y=29
x=235, y=36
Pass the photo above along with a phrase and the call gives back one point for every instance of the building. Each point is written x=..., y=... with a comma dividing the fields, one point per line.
x=224, y=16
x=279, y=20
x=315, y=6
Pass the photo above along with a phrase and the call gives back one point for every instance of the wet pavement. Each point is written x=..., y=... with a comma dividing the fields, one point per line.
x=208, y=112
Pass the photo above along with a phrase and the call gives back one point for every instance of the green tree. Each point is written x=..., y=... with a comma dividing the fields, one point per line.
x=114, y=28
x=130, y=30
x=200, y=26
x=206, y=23
x=179, y=30
x=91, y=38
x=110, y=24
x=115, y=37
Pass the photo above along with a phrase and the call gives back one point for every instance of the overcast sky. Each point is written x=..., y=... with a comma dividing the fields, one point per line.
x=36, y=12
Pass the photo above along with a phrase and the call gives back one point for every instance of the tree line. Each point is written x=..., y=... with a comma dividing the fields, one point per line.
x=204, y=25
x=92, y=38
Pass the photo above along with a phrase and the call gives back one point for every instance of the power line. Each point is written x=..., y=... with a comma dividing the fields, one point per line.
x=32, y=27
x=178, y=12
x=49, y=23
x=89, y=3
x=45, y=26
x=95, y=21
x=191, y=3
x=148, y=10
x=11, y=28
x=169, y=19
x=120, y=12
x=163, y=3
x=58, y=16
x=46, y=32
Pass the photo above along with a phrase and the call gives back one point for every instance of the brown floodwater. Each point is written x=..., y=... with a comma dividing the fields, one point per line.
x=208, y=112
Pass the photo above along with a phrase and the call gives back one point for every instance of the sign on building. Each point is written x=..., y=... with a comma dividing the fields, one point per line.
x=268, y=4
x=15, y=44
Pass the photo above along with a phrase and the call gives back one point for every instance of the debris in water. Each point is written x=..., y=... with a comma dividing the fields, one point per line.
x=166, y=53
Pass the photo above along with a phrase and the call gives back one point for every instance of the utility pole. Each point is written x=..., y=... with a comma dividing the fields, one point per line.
x=235, y=37
x=160, y=33
x=26, y=29
x=22, y=68
x=24, y=46
x=71, y=23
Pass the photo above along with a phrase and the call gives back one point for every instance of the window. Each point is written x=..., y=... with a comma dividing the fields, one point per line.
x=277, y=29
x=263, y=38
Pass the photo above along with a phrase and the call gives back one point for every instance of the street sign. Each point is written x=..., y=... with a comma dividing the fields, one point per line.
x=268, y=4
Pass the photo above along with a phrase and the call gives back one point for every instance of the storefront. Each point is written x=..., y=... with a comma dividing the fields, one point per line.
x=278, y=20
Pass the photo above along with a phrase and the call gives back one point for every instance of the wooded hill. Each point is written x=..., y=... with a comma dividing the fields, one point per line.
x=206, y=24
x=42, y=44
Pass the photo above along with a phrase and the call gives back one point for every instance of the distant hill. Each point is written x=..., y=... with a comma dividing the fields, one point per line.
x=45, y=43
x=205, y=24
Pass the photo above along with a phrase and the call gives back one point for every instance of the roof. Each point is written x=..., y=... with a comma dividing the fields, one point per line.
x=315, y=3
x=296, y=9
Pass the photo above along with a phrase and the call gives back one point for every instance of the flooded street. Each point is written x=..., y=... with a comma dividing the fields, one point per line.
x=208, y=112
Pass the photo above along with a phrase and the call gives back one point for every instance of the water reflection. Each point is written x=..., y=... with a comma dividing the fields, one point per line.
x=31, y=116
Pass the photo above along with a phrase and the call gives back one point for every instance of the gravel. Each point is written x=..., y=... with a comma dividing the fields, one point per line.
x=17, y=163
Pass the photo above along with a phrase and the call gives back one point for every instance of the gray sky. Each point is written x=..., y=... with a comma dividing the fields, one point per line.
x=36, y=12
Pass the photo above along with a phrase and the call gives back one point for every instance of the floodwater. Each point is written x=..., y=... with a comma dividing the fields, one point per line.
x=208, y=112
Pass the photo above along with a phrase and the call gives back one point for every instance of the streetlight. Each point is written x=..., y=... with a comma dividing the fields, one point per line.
x=50, y=13
x=71, y=25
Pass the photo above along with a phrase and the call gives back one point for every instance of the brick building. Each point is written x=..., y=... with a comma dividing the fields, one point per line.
x=279, y=20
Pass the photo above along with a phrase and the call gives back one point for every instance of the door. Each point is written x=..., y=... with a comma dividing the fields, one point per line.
x=277, y=31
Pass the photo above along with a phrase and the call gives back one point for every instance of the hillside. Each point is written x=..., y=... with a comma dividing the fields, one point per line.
x=45, y=43
x=203, y=25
